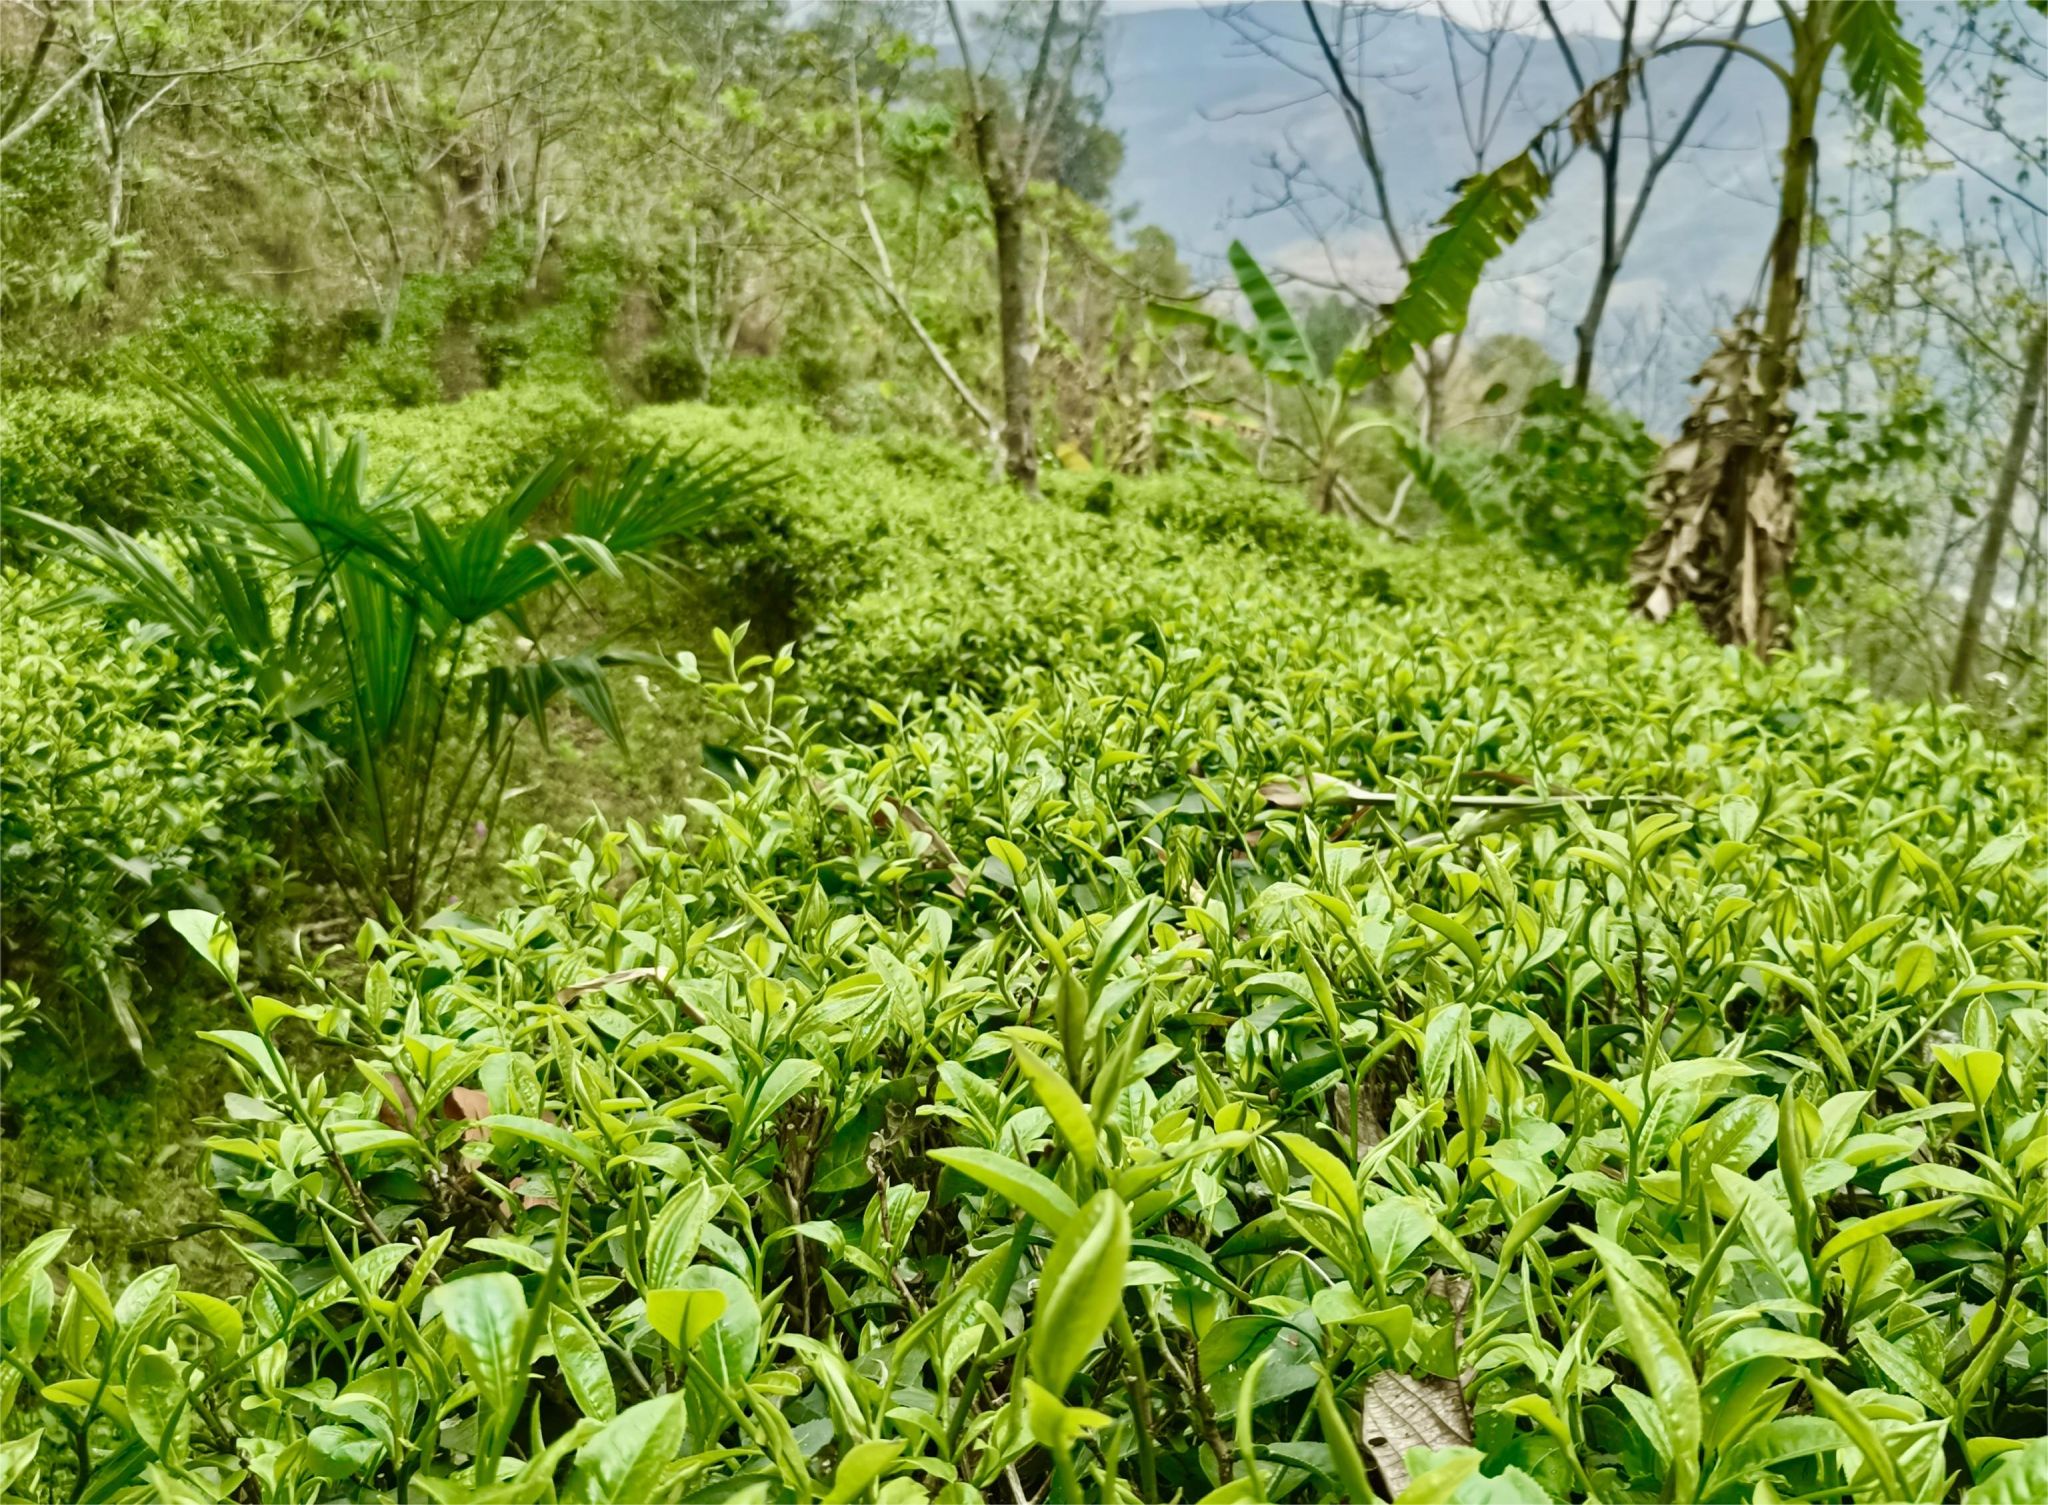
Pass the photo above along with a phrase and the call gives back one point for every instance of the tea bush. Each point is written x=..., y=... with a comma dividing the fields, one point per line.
x=463, y=456
x=888, y=555
x=136, y=778
x=1154, y=1018
x=121, y=458
x=89, y=457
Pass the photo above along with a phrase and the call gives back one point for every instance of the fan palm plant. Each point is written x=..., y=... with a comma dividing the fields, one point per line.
x=399, y=651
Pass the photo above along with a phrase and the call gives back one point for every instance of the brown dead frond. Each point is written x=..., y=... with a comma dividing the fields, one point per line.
x=1724, y=505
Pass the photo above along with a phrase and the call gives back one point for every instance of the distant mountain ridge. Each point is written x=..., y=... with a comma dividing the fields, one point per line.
x=1202, y=114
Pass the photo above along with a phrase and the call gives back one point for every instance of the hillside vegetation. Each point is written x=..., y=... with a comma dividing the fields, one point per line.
x=1163, y=977
x=713, y=791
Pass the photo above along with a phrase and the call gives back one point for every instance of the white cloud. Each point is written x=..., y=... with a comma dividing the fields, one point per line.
x=1580, y=18
x=1360, y=257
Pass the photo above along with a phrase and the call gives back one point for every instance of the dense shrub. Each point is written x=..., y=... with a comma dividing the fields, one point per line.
x=133, y=778
x=465, y=455
x=195, y=332
x=89, y=457
x=765, y=381
x=394, y=359
x=1567, y=484
x=888, y=556
x=1466, y=1047
x=669, y=370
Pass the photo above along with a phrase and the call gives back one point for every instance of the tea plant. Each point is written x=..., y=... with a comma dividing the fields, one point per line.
x=1255, y=1046
x=135, y=777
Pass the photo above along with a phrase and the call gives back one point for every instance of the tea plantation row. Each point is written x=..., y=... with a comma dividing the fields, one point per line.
x=1176, y=1000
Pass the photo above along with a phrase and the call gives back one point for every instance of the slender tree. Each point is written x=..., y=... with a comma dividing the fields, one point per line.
x=1996, y=523
x=1617, y=233
x=1487, y=56
x=1007, y=151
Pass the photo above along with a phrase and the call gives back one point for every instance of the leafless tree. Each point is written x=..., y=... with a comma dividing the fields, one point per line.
x=1334, y=56
x=1007, y=146
x=1616, y=233
x=1998, y=520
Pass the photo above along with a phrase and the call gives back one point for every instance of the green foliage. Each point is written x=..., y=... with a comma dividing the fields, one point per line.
x=464, y=457
x=17, y=1007
x=669, y=371
x=195, y=332
x=1206, y=1022
x=977, y=582
x=135, y=774
x=1489, y=215
x=49, y=251
x=121, y=457
x=1854, y=470
x=524, y=332
x=1567, y=485
x=90, y=458
x=369, y=625
x=764, y=381
x=1277, y=346
x=1274, y=344
x=1319, y=426
x=1883, y=65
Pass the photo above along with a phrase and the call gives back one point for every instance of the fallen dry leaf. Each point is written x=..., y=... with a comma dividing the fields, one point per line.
x=1403, y=1411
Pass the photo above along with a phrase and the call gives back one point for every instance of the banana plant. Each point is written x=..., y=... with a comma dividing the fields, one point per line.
x=1321, y=420
x=1724, y=502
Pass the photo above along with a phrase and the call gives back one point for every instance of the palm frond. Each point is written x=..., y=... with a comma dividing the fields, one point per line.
x=1883, y=65
x=1274, y=343
x=382, y=637
x=1490, y=214
x=1439, y=482
x=469, y=570
x=292, y=488
x=352, y=607
x=1220, y=334
x=129, y=574
x=655, y=500
x=236, y=587
x=522, y=692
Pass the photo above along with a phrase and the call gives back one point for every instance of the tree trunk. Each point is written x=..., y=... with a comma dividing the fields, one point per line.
x=1999, y=520
x=107, y=126
x=1433, y=372
x=117, y=208
x=1759, y=551
x=1610, y=252
x=1005, y=188
x=1020, y=445
x=1724, y=504
x=1589, y=330
x=1776, y=363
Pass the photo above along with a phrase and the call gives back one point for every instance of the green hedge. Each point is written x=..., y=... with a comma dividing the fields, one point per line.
x=1145, y=1060
x=134, y=780
x=89, y=457
x=467, y=453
